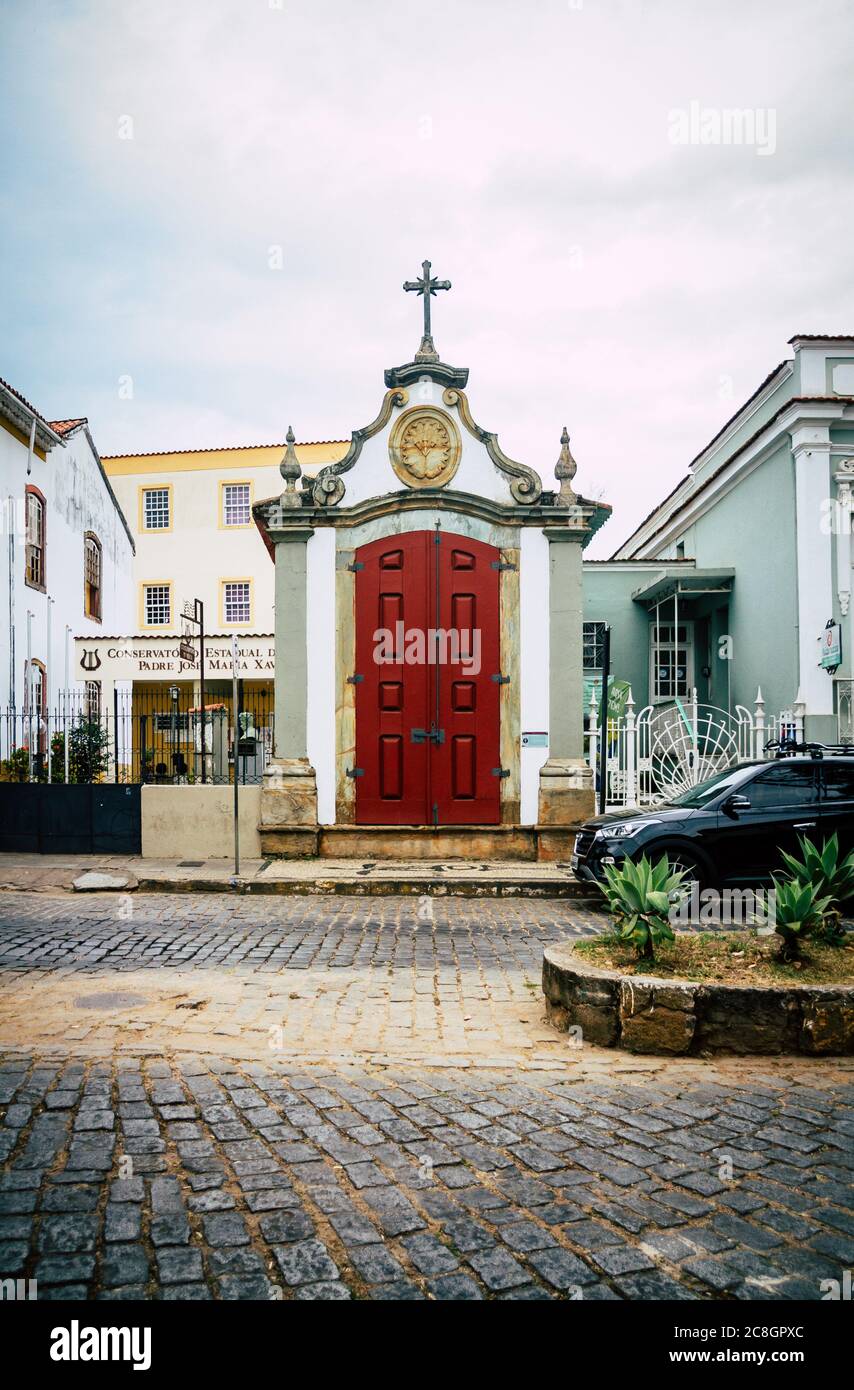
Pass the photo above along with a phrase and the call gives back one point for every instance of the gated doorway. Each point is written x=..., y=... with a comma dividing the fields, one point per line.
x=428, y=681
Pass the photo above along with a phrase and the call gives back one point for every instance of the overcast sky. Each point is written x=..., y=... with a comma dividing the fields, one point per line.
x=240, y=258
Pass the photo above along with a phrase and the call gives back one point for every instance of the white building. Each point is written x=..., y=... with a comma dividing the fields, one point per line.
x=69, y=554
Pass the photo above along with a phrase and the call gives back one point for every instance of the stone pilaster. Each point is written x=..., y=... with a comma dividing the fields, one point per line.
x=567, y=792
x=288, y=823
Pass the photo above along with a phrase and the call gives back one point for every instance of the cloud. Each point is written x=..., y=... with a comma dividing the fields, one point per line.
x=602, y=277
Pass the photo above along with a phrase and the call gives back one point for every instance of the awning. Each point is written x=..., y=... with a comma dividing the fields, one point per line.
x=675, y=580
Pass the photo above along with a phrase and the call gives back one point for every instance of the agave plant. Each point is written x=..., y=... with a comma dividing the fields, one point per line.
x=832, y=878
x=798, y=911
x=640, y=896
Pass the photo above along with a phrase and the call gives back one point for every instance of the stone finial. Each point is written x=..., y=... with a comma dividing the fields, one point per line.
x=565, y=470
x=290, y=471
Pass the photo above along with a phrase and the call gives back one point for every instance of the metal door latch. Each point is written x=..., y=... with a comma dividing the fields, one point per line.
x=431, y=735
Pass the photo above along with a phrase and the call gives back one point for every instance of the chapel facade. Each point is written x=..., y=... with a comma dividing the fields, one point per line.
x=428, y=635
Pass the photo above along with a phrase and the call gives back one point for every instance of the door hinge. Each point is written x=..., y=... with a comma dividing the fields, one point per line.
x=500, y=680
x=356, y=565
x=504, y=565
x=501, y=772
x=355, y=772
x=354, y=680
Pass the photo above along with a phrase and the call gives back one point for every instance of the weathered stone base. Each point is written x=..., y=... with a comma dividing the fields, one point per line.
x=510, y=843
x=288, y=823
x=567, y=794
x=648, y=1015
x=290, y=842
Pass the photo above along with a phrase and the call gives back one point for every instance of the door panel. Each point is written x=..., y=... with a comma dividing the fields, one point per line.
x=466, y=785
x=427, y=706
x=837, y=804
x=391, y=697
x=783, y=805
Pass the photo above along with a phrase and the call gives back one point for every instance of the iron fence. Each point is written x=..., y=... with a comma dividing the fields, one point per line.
x=154, y=735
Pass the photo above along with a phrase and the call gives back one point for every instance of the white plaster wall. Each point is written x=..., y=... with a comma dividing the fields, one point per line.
x=813, y=364
x=320, y=714
x=372, y=475
x=815, y=574
x=78, y=500
x=534, y=639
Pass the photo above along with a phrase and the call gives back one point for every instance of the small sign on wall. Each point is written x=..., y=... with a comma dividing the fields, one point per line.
x=831, y=647
x=535, y=739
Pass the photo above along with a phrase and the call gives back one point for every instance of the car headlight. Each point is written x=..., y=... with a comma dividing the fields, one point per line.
x=624, y=829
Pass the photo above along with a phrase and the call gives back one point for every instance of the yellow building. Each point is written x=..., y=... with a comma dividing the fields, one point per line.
x=190, y=512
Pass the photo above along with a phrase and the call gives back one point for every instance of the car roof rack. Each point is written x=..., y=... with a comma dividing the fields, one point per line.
x=790, y=747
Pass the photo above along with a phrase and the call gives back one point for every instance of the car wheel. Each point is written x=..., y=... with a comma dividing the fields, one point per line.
x=682, y=860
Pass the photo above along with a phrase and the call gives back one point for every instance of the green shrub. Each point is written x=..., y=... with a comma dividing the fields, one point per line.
x=831, y=877
x=798, y=912
x=639, y=898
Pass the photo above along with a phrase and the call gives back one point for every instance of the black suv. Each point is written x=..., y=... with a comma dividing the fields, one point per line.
x=731, y=828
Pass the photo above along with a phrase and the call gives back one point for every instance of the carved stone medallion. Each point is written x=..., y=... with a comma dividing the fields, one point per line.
x=425, y=447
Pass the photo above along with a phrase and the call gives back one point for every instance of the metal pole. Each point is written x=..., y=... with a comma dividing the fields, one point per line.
x=200, y=610
x=48, y=692
x=28, y=703
x=11, y=516
x=66, y=697
x=235, y=707
x=116, y=731
x=603, y=722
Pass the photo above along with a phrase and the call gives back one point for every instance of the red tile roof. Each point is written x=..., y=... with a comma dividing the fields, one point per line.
x=66, y=426
x=220, y=449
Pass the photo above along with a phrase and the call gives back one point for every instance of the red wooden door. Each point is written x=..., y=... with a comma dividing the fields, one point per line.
x=427, y=706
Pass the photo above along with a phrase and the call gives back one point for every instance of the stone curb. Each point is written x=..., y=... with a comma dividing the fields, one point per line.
x=645, y=1014
x=368, y=888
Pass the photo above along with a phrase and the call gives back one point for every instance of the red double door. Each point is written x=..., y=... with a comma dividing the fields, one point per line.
x=427, y=681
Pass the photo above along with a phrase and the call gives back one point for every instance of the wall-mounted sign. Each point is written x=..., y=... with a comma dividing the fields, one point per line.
x=537, y=739
x=163, y=658
x=831, y=647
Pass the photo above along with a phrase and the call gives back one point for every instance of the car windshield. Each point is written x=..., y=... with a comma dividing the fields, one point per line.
x=706, y=791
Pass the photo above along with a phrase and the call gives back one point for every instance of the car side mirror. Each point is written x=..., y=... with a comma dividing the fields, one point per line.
x=736, y=803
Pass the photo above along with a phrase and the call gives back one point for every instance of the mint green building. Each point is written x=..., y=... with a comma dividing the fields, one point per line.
x=730, y=583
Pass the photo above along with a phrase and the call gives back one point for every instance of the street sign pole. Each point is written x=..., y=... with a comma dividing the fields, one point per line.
x=235, y=710
x=603, y=721
x=200, y=612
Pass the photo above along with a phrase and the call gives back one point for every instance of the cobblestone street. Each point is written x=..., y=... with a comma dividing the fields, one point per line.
x=209, y=1097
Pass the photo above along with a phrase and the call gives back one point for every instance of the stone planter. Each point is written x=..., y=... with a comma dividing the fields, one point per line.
x=664, y=1017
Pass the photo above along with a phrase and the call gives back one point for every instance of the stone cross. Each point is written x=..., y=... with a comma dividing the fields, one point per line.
x=426, y=285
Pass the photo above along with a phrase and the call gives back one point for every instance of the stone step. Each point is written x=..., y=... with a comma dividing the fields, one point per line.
x=369, y=878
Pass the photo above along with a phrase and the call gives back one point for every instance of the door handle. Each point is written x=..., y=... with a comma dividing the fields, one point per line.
x=804, y=825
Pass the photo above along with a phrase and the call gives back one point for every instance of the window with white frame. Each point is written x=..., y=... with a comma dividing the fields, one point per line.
x=236, y=601
x=671, y=659
x=93, y=700
x=157, y=605
x=593, y=646
x=155, y=509
x=235, y=504
x=92, y=576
